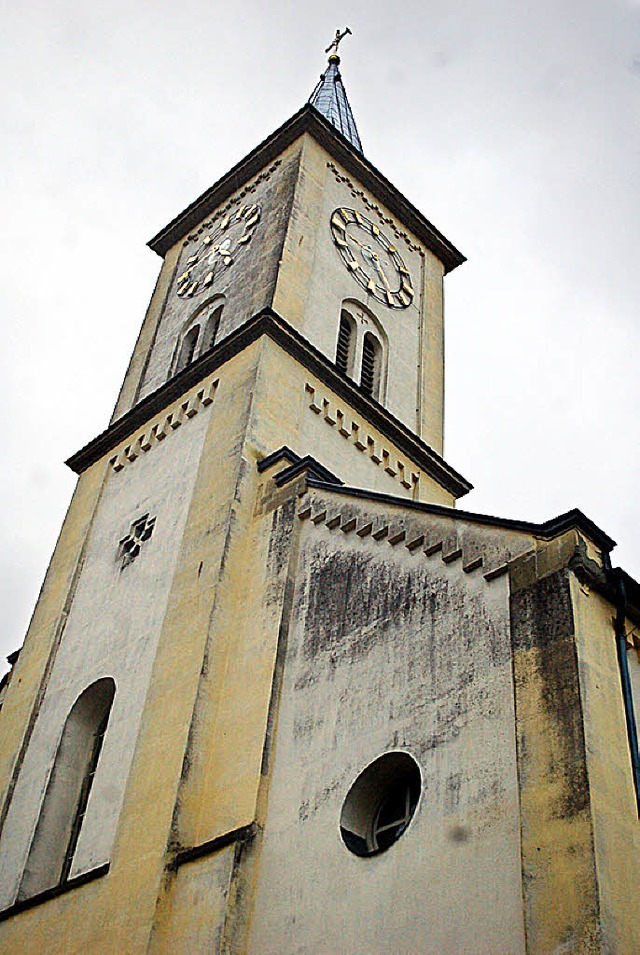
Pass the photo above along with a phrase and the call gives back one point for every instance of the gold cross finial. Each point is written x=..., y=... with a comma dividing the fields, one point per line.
x=335, y=43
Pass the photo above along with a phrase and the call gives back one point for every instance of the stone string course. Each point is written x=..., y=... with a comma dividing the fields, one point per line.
x=352, y=430
x=161, y=430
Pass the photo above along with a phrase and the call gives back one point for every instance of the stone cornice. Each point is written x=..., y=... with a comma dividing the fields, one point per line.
x=274, y=327
x=309, y=120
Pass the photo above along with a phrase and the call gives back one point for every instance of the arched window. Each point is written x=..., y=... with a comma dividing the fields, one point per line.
x=211, y=330
x=371, y=365
x=362, y=348
x=346, y=342
x=187, y=349
x=67, y=795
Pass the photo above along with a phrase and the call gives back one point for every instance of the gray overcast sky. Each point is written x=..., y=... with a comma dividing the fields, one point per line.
x=513, y=126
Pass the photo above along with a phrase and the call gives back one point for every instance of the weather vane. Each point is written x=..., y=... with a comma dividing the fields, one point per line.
x=333, y=46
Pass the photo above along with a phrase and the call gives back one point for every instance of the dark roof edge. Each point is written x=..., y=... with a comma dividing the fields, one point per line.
x=309, y=120
x=632, y=589
x=310, y=466
x=547, y=530
x=268, y=322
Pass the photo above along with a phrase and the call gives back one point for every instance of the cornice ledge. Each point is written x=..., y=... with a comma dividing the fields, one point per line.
x=269, y=323
x=548, y=530
x=309, y=120
x=54, y=892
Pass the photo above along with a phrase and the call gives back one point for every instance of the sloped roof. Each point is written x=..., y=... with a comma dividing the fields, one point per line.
x=309, y=120
x=330, y=99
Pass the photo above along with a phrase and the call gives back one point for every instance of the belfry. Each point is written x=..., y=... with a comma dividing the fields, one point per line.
x=279, y=693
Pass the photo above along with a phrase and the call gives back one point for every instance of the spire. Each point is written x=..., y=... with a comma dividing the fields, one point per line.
x=330, y=97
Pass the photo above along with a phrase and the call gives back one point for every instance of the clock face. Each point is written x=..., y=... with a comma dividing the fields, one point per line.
x=217, y=250
x=372, y=258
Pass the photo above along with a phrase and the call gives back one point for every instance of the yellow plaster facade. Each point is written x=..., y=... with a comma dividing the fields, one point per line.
x=309, y=600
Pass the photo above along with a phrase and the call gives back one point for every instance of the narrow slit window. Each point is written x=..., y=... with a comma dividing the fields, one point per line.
x=188, y=348
x=371, y=360
x=211, y=330
x=345, y=344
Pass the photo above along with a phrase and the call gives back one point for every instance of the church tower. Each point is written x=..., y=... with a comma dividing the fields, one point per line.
x=279, y=694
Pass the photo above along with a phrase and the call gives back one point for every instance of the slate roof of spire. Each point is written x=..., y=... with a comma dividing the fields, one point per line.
x=330, y=98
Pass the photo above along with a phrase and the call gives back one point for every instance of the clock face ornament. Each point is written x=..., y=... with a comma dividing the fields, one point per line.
x=372, y=258
x=217, y=250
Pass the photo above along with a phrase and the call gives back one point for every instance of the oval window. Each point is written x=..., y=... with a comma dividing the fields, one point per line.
x=380, y=804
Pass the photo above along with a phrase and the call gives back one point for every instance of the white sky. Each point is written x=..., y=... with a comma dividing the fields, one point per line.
x=514, y=127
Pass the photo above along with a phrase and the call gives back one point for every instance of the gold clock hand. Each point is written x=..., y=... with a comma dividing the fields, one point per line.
x=361, y=244
x=374, y=256
x=381, y=273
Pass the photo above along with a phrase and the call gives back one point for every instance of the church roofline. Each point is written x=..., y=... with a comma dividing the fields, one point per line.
x=309, y=120
x=574, y=519
x=267, y=322
x=603, y=578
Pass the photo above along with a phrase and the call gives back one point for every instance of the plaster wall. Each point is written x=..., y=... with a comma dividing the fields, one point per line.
x=112, y=630
x=559, y=874
x=613, y=801
x=126, y=900
x=194, y=918
x=245, y=287
x=30, y=671
x=389, y=650
x=303, y=414
x=313, y=283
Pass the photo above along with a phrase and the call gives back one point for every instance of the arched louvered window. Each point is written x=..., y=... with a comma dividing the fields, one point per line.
x=346, y=338
x=67, y=795
x=371, y=365
x=188, y=348
x=211, y=330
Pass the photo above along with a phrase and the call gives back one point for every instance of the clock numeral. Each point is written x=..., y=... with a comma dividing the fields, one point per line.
x=192, y=259
x=341, y=242
x=371, y=286
x=338, y=223
x=225, y=222
x=404, y=298
x=244, y=238
x=208, y=279
x=353, y=264
x=406, y=287
x=389, y=295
